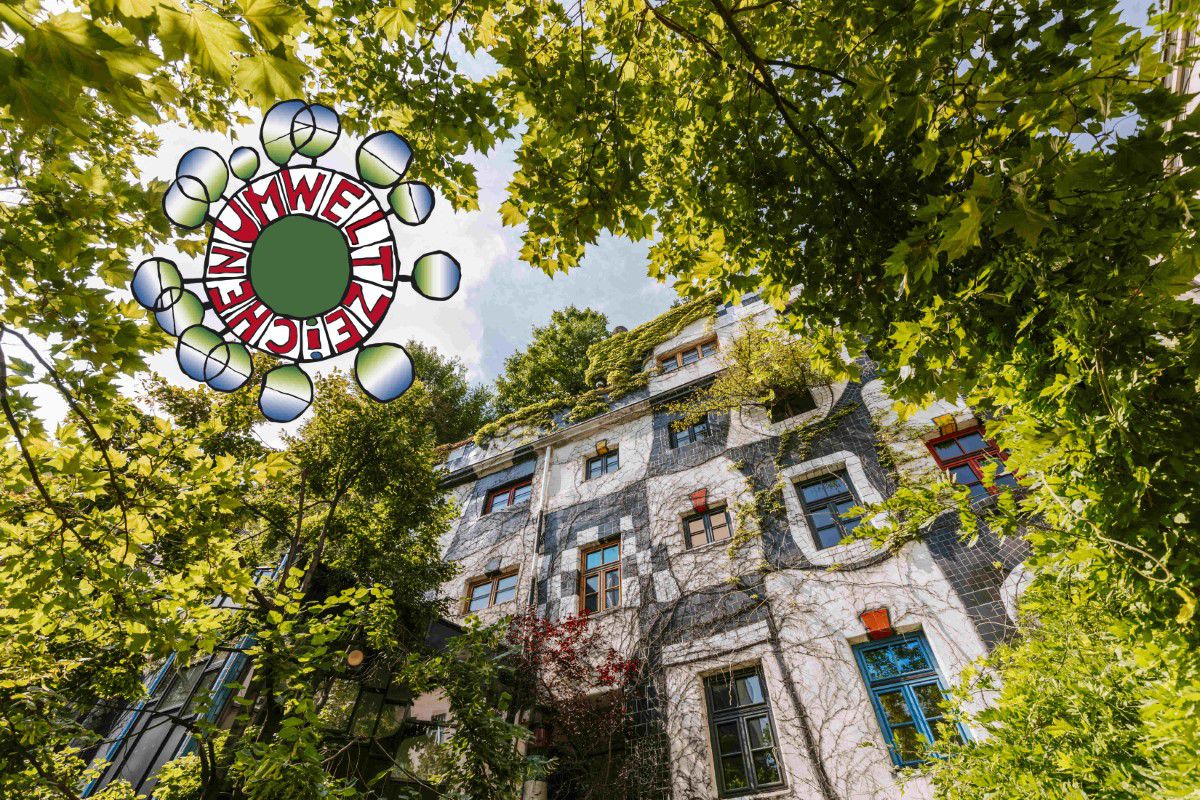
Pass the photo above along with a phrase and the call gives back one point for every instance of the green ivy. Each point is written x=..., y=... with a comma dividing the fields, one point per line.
x=614, y=364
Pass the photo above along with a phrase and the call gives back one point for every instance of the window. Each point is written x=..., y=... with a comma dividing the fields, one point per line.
x=689, y=435
x=512, y=494
x=602, y=465
x=491, y=592
x=906, y=692
x=963, y=456
x=688, y=355
x=790, y=402
x=441, y=729
x=706, y=528
x=743, y=736
x=601, y=584
x=825, y=500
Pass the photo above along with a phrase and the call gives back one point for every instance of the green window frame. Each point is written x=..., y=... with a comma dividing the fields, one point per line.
x=742, y=731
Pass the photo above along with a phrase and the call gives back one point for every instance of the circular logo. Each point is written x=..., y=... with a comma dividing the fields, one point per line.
x=301, y=264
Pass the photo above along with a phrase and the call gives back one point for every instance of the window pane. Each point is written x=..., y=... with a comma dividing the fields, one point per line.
x=909, y=742
x=614, y=461
x=963, y=474
x=506, y=589
x=391, y=718
x=822, y=517
x=670, y=364
x=594, y=468
x=480, y=596
x=612, y=578
x=766, y=769
x=691, y=356
x=894, y=660
x=818, y=490
x=733, y=770
x=611, y=552
x=522, y=493
x=499, y=501
x=700, y=429
x=728, y=742
x=948, y=449
x=720, y=526
x=592, y=560
x=708, y=348
x=366, y=714
x=719, y=689
x=591, y=601
x=971, y=443
x=339, y=704
x=895, y=708
x=181, y=686
x=758, y=731
x=843, y=508
x=929, y=696
x=612, y=598
x=749, y=690
x=828, y=537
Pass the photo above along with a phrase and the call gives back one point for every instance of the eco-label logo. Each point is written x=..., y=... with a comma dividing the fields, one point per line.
x=301, y=263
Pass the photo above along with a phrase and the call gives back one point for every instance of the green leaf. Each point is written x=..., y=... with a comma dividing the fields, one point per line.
x=269, y=78
x=209, y=41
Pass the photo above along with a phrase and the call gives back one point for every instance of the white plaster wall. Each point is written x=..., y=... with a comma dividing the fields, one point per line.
x=633, y=437
x=817, y=614
x=686, y=667
x=705, y=565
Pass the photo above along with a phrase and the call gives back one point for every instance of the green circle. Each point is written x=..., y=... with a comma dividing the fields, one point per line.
x=300, y=266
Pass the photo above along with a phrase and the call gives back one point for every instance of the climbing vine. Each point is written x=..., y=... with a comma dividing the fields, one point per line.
x=761, y=366
x=615, y=369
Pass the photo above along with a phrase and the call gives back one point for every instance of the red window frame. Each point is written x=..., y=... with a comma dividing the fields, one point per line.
x=508, y=491
x=973, y=460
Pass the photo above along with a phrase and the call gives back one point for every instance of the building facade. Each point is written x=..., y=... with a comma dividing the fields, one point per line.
x=780, y=659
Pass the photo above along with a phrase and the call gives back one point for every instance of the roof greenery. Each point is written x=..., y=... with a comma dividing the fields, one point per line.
x=614, y=365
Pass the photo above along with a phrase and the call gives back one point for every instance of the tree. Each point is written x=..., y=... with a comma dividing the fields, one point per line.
x=996, y=201
x=552, y=367
x=462, y=408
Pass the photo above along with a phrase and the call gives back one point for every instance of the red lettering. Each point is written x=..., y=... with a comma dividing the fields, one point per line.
x=255, y=315
x=243, y=293
x=337, y=199
x=383, y=261
x=248, y=228
x=223, y=268
x=293, y=334
x=352, y=230
x=314, y=339
x=256, y=201
x=348, y=331
x=355, y=294
x=302, y=190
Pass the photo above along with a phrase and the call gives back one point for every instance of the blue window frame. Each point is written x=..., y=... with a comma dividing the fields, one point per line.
x=906, y=692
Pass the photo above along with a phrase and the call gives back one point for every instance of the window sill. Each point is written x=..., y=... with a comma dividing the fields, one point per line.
x=779, y=791
x=706, y=546
x=505, y=510
x=591, y=615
